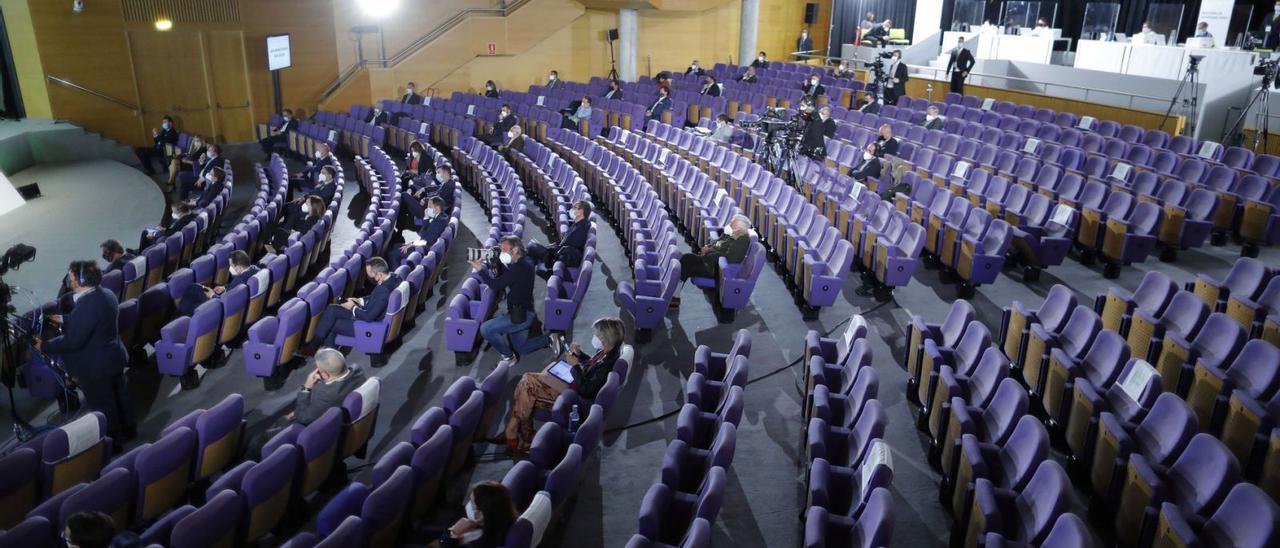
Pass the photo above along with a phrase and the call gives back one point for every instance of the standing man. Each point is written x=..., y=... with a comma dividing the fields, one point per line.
x=508, y=334
x=959, y=65
x=91, y=349
x=804, y=44
x=897, y=79
x=280, y=134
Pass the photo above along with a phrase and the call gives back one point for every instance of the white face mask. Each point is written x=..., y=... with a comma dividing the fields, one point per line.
x=165, y=125
x=813, y=82
x=761, y=58
x=325, y=178
x=596, y=343
x=511, y=136
x=931, y=117
x=212, y=154
x=235, y=270
x=727, y=230
x=432, y=213
x=306, y=208
x=471, y=510
x=505, y=258
x=502, y=115
x=441, y=178
x=416, y=155
x=318, y=155
x=552, y=77
x=209, y=177
x=867, y=155
x=490, y=88
x=409, y=91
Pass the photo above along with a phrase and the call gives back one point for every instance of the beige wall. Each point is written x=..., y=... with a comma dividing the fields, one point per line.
x=780, y=24
x=411, y=21
x=26, y=58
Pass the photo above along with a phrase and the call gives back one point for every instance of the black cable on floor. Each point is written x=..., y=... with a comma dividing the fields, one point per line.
x=793, y=363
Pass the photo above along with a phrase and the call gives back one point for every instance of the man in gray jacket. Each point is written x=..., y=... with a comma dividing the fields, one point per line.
x=325, y=387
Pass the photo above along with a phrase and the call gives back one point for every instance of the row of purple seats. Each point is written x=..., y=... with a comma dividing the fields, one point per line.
x=351, y=130
x=305, y=140
x=849, y=469
x=680, y=507
x=500, y=191
x=815, y=253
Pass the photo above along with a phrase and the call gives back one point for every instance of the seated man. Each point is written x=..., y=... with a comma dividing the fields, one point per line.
x=113, y=253
x=843, y=71
x=814, y=88
x=723, y=130
x=514, y=141
x=325, y=188
x=733, y=245
x=709, y=86
x=309, y=177
x=413, y=205
x=570, y=120
x=176, y=217
x=240, y=268
x=210, y=188
x=376, y=116
x=432, y=227
x=749, y=77
x=280, y=134
x=694, y=69
x=933, y=120
x=660, y=106
x=888, y=144
x=572, y=244
x=211, y=159
x=872, y=106
x=295, y=220
x=761, y=62
x=499, y=133
x=326, y=386
x=869, y=166
x=340, y=319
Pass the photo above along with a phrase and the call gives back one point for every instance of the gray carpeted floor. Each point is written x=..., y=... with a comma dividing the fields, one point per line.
x=764, y=497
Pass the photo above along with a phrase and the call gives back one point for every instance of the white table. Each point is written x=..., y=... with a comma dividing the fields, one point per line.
x=1156, y=61
x=1161, y=61
x=1024, y=48
x=1099, y=55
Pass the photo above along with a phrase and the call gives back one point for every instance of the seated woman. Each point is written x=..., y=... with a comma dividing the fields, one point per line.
x=490, y=89
x=490, y=514
x=540, y=390
x=417, y=163
x=185, y=162
x=308, y=215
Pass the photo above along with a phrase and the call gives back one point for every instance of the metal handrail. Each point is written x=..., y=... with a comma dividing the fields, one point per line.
x=69, y=84
x=421, y=41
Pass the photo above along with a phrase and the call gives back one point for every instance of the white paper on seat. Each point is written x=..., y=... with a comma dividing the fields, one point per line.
x=368, y=395
x=878, y=454
x=540, y=99
x=1062, y=215
x=264, y=280
x=426, y=100
x=1086, y=122
x=139, y=265
x=403, y=290
x=471, y=110
x=961, y=170
x=856, y=323
x=1208, y=149
x=422, y=128
x=333, y=135
x=1031, y=146
x=1121, y=171
x=988, y=103
x=1139, y=375
x=82, y=434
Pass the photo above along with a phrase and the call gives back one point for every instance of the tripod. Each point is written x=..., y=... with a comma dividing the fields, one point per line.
x=1189, y=106
x=613, y=62
x=1261, y=124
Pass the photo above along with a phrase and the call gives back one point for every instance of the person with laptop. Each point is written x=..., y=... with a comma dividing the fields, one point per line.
x=584, y=372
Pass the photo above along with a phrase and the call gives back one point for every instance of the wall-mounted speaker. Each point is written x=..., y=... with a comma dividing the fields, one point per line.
x=613, y=35
x=810, y=13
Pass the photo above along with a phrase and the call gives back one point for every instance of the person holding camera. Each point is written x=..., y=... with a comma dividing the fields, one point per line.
x=509, y=333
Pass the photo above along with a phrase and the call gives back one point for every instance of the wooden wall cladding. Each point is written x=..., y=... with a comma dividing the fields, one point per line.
x=780, y=24
x=182, y=11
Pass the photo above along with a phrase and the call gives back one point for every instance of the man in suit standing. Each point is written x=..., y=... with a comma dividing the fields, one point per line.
x=660, y=106
x=499, y=132
x=814, y=87
x=411, y=96
x=869, y=166
x=694, y=69
x=804, y=44
x=161, y=138
x=280, y=134
x=432, y=227
x=897, y=79
x=212, y=159
x=959, y=65
x=820, y=128
x=761, y=61
x=376, y=117
x=572, y=244
x=933, y=120
x=709, y=86
x=340, y=319
x=91, y=350
x=240, y=268
x=1271, y=26
x=553, y=81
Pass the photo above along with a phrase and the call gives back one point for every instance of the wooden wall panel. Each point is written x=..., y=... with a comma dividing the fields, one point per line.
x=229, y=82
x=26, y=58
x=314, y=51
x=669, y=40
x=780, y=24
x=170, y=68
x=414, y=18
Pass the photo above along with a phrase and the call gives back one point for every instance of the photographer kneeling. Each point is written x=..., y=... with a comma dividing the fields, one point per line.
x=516, y=273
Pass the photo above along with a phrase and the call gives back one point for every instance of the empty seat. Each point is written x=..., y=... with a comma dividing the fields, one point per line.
x=1247, y=518
x=1022, y=516
x=1196, y=482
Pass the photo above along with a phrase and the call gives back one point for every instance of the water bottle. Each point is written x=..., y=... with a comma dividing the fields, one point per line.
x=574, y=417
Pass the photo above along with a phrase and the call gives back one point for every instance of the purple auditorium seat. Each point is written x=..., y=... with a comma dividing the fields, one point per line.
x=1094, y=219
x=843, y=405
x=663, y=519
x=1008, y=466
x=845, y=491
x=1247, y=518
x=710, y=394
x=1131, y=238
x=219, y=431
x=945, y=335
x=964, y=356
x=359, y=417
x=982, y=257
x=213, y=524
x=112, y=494
x=1128, y=399
x=1253, y=313
x=1237, y=158
x=873, y=528
x=846, y=446
x=989, y=424
x=1069, y=531
x=33, y=531
x=235, y=305
x=1021, y=516
x=648, y=301
x=1189, y=224
x=382, y=510
x=317, y=444
x=73, y=453
x=1260, y=221
x=1159, y=437
x=273, y=341
x=19, y=485
x=375, y=337
x=463, y=422
x=975, y=384
x=697, y=536
x=189, y=341
x=264, y=489
x=161, y=471
x=1254, y=373
x=468, y=309
x=1184, y=315
x=1107, y=128
x=564, y=295
x=684, y=467
x=715, y=365
x=838, y=376
x=1073, y=340
x=1246, y=278
x=491, y=388
x=1216, y=345
x=1196, y=483
x=1100, y=365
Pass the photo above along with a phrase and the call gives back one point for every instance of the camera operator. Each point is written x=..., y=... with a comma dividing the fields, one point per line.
x=897, y=84
x=816, y=132
x=91, y=349
x=515, y=275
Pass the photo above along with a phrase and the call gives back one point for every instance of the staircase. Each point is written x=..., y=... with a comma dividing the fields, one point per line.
x=43, y=141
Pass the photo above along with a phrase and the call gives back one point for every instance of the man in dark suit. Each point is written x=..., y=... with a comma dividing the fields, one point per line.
x=877, y=35
x=814, y=87
x=709, y=87
x=761, y=61
x=240, y=268
x=933, y=120
x=177, y=217
x=413, y=205
x=749, y=77
x=1271, y=28
x=959, y=65
x=869, y=166
x=210, y=188
x=411, y=96
x=820, y=128
x=886, y=141
x=804, y=44
x=553, y=81
x=572, y=244
x=309, y=177
x=340, y=319
x=498, y=134
x=432, y=227
x=161, y=137
x=515, y=141
x=615, y=91
x=376, y=117
x=91, y=351
x=115, y=255
x=897, y=79
x=326, y=188
x=694, y=69
x=660, y=106
x=212, y=159
x=280, y=134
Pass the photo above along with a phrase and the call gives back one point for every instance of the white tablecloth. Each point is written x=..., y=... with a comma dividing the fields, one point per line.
x=1098, y=55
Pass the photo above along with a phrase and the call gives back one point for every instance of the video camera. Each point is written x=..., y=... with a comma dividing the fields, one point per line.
x=486, y=255
x=1267, y=68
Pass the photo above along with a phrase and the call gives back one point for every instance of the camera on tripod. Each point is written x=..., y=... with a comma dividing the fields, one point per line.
x=1266, y=68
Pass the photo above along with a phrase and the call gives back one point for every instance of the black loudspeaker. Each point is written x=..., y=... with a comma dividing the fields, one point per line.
x=30, y=192
x=613, y=35
x=810, y=13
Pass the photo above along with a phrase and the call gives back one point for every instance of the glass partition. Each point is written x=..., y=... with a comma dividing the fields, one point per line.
x=967, y=15
x=1238, y=29
x=1161, y=25
x=1019, y=15
x=1100, y=21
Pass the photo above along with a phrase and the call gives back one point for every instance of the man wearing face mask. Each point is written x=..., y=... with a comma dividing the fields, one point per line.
x=411, y=96
x=515, y=141
x=814, y=87
x=933, y=120
x=1202, y=31
x=813, y=143
x=376, y=117
x=897, y=79
x=280, y=134
x=804, y=44
x=749, y=77
x=572, y=244
x=869, y=167
x=886, y=141
x=91, y=351
x=959, y=64
x=508, y=333
x=694, y=69
x=615, y=91
x=432, y=227
x=732, y=245
x=309, y=178
x=724, y=129
x=842, y=71
x=553, y=81
x=761, y=61
x=325, y=188
x=709, y=87
x=212, y=159
x=240, y=268
x=570, y=120
x=295, y=221
x=498, y=134
x=161, y=138
x=413, y=205
x=176, y=217
x=210, y=188
x=114, y=254
x=339, y=319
